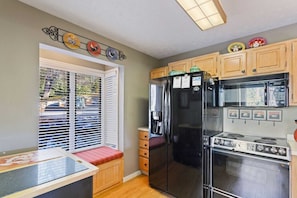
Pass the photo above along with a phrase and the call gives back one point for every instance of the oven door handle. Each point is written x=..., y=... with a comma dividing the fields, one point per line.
x=251, y=156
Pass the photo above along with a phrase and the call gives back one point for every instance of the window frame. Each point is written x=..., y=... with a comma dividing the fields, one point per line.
x=121, y=79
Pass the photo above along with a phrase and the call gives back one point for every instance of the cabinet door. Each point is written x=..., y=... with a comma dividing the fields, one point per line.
x=207, y=63
x=159, y=72
x=143, y=164
x=233, y=65
x=182, y=65
x=293, y=75
x=269, y=59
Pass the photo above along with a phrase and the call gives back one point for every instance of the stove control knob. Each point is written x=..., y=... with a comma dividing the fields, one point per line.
x=282, y=151
x=260, y=148
x=216, y=141
x=273, y=150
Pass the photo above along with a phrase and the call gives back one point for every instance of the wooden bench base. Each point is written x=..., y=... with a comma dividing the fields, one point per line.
x=111, y=167
x=110, y=174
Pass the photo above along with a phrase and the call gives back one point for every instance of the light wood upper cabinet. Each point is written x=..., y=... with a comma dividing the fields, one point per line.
x=207, y=63
x=233, y=65
x=268, y=59
x=159, y=72
x=182, y=65
x=293, y=74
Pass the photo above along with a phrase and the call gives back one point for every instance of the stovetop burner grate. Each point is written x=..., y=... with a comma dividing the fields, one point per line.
x=266, y=141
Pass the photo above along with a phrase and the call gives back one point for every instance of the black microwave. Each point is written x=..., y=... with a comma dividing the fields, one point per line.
x=260, y=91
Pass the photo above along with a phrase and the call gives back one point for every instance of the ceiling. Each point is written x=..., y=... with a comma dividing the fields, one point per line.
x=161, y=28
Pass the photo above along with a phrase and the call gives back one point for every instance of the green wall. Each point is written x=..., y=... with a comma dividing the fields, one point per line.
x=20, y=37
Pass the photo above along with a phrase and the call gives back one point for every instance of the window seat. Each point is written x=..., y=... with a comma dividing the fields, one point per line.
x=111, y=167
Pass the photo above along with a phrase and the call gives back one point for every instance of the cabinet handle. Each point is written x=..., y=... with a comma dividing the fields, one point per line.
x=254, y=70
x=145, y=145
x=145, y=164
x=145, y=154
x=243, y=71
x=145, y=136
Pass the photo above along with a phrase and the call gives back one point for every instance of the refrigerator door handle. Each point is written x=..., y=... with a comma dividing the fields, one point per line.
x=164, y=97
x=168, y=109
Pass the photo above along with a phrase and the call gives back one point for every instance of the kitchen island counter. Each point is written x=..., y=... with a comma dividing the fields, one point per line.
x=38, y=173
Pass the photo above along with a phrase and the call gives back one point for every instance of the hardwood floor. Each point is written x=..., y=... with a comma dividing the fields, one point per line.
x=134, y=188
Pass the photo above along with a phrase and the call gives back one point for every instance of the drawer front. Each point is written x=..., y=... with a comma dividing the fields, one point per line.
x=144, y=144
x=143, y=152
x=143, y=135
x=143, y=164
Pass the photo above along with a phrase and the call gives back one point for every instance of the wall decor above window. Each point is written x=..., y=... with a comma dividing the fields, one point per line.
x=75, y=41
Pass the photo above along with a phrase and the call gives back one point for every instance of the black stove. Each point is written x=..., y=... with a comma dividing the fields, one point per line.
x=262, y=146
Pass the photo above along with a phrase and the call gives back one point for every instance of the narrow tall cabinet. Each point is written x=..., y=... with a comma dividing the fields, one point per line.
x=143, y=150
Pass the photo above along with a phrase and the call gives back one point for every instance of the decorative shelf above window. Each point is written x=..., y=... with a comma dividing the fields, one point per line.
x=75, y=41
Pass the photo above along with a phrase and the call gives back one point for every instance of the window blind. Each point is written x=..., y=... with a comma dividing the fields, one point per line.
x=78, y=106
x=111, y=113
x=88, y=116
x=54, y=109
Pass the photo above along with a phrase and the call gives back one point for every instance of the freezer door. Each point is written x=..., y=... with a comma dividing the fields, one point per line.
x=157, y=142
x=156, y=108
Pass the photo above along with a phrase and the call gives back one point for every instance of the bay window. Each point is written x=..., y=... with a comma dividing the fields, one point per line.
x=78, y=106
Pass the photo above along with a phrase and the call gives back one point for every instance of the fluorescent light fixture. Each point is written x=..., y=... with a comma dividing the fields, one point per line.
x=205, y=13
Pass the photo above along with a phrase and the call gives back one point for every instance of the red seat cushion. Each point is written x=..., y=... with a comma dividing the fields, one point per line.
x=99, y=155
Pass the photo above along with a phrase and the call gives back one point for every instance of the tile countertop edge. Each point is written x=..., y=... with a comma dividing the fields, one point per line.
x=143, y=128
x=58, y=183
x=292, y=143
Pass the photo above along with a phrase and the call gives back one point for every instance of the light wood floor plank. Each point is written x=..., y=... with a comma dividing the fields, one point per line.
x=135, y=188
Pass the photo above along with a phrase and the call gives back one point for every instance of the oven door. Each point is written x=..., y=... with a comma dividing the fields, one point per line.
x=241, y=175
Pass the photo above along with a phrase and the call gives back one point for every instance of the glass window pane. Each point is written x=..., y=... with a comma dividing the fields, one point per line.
x=88, y=127
x=54, y=109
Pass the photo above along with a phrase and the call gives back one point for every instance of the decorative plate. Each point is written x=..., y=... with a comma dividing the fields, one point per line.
x=236, y=46
x=71, y=41
x=93, y=48
x=257, y=42
x=112, y=54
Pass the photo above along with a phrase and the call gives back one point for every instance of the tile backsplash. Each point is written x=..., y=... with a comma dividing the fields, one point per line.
x=264, y=127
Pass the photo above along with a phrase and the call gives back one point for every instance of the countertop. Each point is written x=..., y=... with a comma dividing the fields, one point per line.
x=292, y=143
x=143, y=128
x=37, y=172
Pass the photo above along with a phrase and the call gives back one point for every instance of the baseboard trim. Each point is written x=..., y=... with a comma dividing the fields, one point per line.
x=131, y=176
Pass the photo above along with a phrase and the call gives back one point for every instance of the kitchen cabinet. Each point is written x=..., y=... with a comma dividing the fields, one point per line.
x=293, y=74
x=269, y=59
x=233, y=65
x=207, y=63
x=143, y=151
x=182, y=65
x=159, y=72
x=294, y=176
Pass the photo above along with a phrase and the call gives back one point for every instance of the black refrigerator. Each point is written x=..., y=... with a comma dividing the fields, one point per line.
x=179, y=111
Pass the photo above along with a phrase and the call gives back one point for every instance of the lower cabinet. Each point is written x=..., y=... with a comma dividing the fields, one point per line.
x=143, y=151
x=109, y=175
